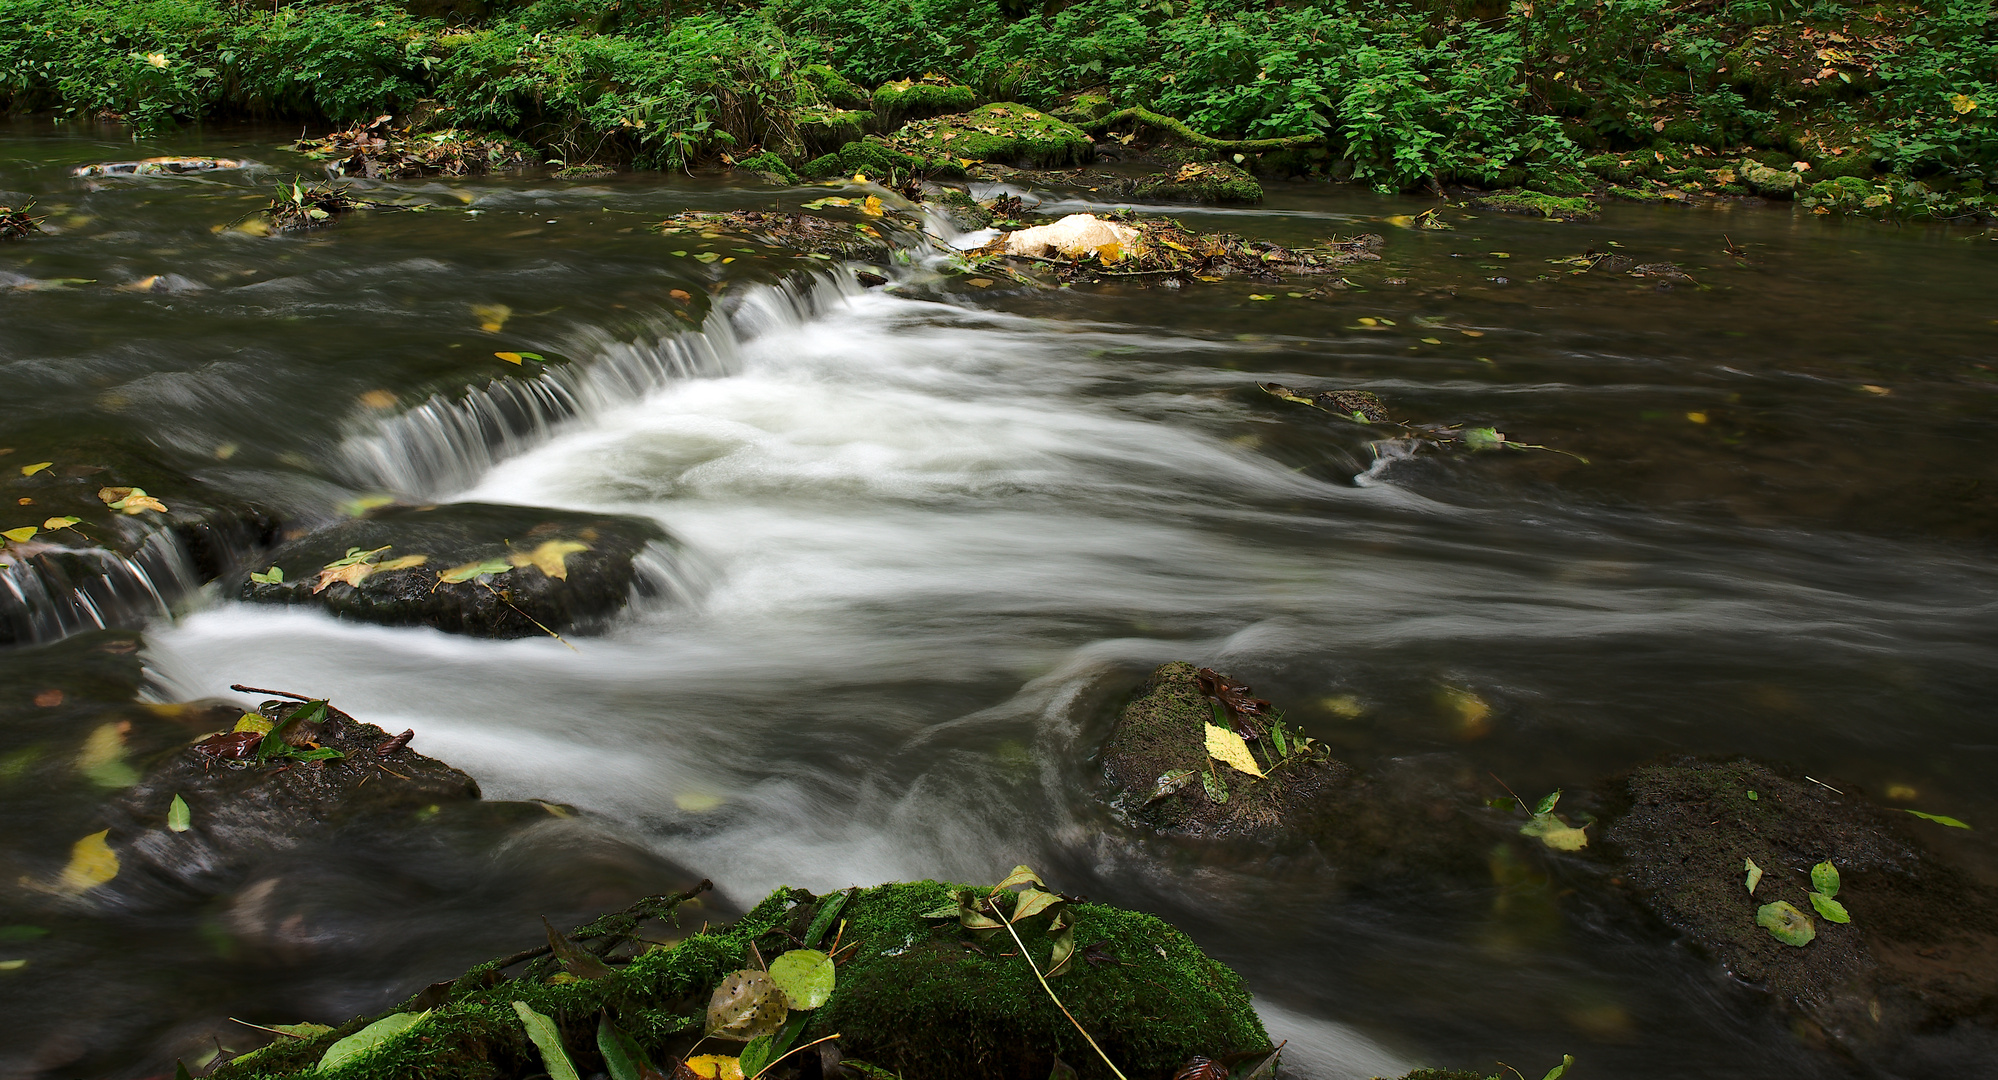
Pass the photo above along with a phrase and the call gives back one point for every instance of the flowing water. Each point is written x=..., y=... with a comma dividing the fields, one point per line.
x=934, y=536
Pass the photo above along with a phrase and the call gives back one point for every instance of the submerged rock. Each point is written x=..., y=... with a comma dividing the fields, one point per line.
x=1920, y=950
x=1524, y=201
x=805, y=233
x=1200, y=182
x=158, y=166
x=917, y=997
x=466, y=568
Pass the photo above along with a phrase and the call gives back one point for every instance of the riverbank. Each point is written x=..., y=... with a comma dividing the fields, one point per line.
x=1880, y=109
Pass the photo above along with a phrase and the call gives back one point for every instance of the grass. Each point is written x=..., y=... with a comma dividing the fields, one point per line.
x=1553, y=95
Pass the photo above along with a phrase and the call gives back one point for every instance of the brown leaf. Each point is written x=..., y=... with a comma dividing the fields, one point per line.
x=574, y=959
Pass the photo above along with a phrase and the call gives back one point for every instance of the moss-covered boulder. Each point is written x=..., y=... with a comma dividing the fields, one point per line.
x=1208, y=182
x=1538, y=204
x=914, y=996
x=770, y=165
x=897, y=103
x=876, y=159
x=1920, y=950
x=824, y=130
x=1772, y=182
x=1005, y=132
x=834, y=88
x=467, y=568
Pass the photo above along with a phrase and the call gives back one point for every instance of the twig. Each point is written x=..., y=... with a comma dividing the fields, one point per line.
x=1822, y=784
x=793, y=1050
x=530, y=618
x=260, y=1027
x=1036, y=969
x=274, y=693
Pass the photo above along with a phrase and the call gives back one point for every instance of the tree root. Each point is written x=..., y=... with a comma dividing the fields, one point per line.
x=1205, y=142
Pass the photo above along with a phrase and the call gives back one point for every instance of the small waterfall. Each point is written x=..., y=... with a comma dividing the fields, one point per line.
x=48, y=592
x=444, y=445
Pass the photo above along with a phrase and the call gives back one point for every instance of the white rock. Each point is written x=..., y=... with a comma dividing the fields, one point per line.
x=1071, y=237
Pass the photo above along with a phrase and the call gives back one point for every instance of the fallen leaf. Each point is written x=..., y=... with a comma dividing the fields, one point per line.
x=1832, y=910
x=872, y=207
x=805, y=976
x=472, y=570
x=65, y=522
x=1227, y=747
x=379, y=399
x=179, y=817
x=1754, y=875
x=273, y=576
x=549, y=557
x=1786, y=924
x=1170, y=783
x=744, y=1005
x=575, y=959
x=1555, y=833
x=1940, y=819
x=102, y=758
x=509, y=357
x=30, y=470
x=979, y=282
x=715, y=1067
x=491, y=316
x=366, y=1041
x=681, y=295
x=91, y=863
x=48, y=699
x=21, y=535
x=1824, y=879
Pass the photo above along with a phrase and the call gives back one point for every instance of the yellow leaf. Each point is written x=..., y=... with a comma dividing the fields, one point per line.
x=138, y=501
x=715, y=1067
x=91, y=863
x=872, y=207
x=379, y=399
x=1228, y=748
x=30, y=470
x=509, y=357
x=404, y=563
x=60, y=522
x=1962, y=103
x=250, y=721
x=110, y=495
x=352, y=573
x=22, y=534
x=1110, y=253
x=548, y=558
x=491, y=316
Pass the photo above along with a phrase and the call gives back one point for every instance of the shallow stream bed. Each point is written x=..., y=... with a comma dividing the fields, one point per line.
x=933, y=536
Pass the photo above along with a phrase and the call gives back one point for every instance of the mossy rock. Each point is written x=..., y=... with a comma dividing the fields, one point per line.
x=1087, y=106
x=1005, y=132
x=957, y=204
x=1213, y=182
x=824, y=130
x=1920, y=951
x=545, y=570
x=812, y=235
x=1538, y=204
x=876, y=160
x=834, y=88
x=1764, y=180
x=1614, y=168
x=770, y=165
x=896, y=103
x=919, y=998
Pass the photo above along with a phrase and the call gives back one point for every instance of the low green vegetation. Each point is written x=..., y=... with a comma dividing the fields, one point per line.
x=1880, y=108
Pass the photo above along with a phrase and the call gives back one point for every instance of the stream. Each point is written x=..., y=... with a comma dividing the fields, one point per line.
x=931, y=537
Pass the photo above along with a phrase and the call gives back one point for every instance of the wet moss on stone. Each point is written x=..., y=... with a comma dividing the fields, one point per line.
x=824, y=130
x=767, y=162
x=1213, y=182
x=877, y=161
x=1538, y=203
x=898, y=102
x=834, y=88
x=1005, y=132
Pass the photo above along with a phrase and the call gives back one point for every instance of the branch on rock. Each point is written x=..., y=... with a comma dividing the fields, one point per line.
x=1205, y=142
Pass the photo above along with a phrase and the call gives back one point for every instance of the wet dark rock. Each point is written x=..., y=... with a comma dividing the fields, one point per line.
x=466, y=568
x=1200, y=182
x=1357, y=405
x=805, y=233
x=1920, y=952
x=158, y=166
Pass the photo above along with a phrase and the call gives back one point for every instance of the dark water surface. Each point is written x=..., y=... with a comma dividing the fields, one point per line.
x=933, y=539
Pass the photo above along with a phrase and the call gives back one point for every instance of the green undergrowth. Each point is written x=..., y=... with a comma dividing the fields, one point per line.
x=1659, y=95
x=915, y=995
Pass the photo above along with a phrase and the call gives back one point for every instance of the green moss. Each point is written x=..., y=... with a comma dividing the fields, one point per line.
x=877, y=160
x=833, y=88
x=897, y=102
x=917, y=1000
x=1085, y=107
x=769, y=163
x=1004, y=131
x=1765, y=180
x=1215, y=182
x=825, y=130
x=1540, y=203
x=918, y=997
x=1615, y=168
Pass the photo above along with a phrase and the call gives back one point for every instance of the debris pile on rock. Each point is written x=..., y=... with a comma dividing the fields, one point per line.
x=1132, y=246
x=377, y=151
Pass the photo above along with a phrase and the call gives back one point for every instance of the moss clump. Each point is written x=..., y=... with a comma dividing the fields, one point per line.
x=1087, y=106
x=1005, y=132
x=898, y=102
x=767, y=162
x=833, y=88
x=1552, y=207
x=877, y=160
x=1764, y=180
x=1214, y=182
x=918, y=996
x=1614, y=168
x=825, y=130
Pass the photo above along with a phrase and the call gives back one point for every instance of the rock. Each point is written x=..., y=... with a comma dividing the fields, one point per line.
x=467, y=568
x=1552, y=207
x=1072, y=237
x=770, y=165
x=835, y=89
x=920, y=998
x=1210, y=182
x=897, y=103
x=1767, y=181
x=798, y=232
x=377, y=151
x=875, y=159
x=1004, y=132
x=158, y=166
x=1920, y=951
x=1356, y=405
x=825, y=130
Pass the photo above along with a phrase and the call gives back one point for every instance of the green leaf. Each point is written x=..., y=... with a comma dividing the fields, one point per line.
x=1021, y=875
x=806, y=976
x=1557, y=1071
x=179, y=817
x=623, y=1058
x=1277, y=737
x=369, y=1039
x=273, y=744
x=1832, y=910
x=1939, y=819
x=355, y=556
x=317, y=753
x=548, y=1040
x=273, y=576
x=1754, y=874
x=746, y=1004
x=822, y=921
x=1063, y=929
x=1032, y=903
x=1786, y=924
x=575, y=960
x=759, y=1053
x=1217, y=789
x=180, y=1071
x=1555, y=833
x=1753, y=797
x=474, y=569
x=10, y=934
x=1547, y=804
x=1169, y=783
x=1824, y=878
x=1482, y=438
